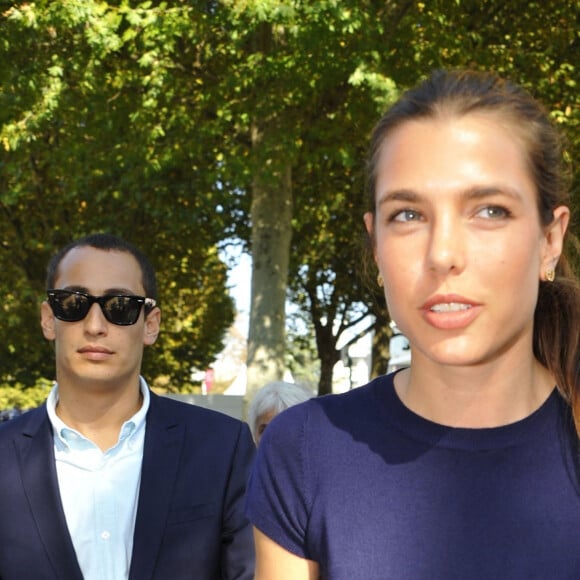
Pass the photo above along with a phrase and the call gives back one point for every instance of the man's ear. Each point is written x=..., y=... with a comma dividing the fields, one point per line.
x=152, y=327
x=47, y=321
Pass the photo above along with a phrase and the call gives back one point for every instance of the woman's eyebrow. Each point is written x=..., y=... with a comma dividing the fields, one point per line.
x=407, y=195
x=478, y=192
x=475, y=192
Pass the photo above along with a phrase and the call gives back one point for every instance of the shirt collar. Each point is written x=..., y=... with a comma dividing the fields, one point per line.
x=69, y=437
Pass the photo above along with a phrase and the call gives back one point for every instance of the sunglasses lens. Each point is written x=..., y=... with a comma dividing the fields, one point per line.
x=69, y=306
x=122, y=310
x=72, y=306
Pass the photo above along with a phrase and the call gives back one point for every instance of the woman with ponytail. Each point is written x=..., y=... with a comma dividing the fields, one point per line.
x=463, y=465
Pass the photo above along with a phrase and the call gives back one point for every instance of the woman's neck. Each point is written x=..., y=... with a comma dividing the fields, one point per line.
x=486, y=395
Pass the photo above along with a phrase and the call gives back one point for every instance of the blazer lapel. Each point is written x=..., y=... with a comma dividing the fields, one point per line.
x=35, y=449
x=161, y=452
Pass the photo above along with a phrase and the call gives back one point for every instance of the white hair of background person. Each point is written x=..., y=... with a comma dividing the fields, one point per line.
x=274, y=398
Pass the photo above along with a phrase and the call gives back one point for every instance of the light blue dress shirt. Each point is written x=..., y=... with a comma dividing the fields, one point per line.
x=99, y=491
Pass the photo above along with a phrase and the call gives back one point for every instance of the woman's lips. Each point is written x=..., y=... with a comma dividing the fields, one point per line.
x=450, y=312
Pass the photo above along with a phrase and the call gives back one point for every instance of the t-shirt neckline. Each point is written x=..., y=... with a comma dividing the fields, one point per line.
x=474, y=439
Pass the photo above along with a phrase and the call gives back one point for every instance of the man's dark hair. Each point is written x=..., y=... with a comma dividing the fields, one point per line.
x=107, y=242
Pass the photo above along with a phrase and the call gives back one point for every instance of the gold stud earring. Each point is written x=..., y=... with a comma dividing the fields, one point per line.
x=550, y=275
x=380, y=280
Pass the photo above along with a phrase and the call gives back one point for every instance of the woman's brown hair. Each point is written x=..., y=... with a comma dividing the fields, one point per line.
x=458, y=93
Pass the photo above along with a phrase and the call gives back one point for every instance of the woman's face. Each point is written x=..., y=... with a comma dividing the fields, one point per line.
x=262, y=422
x=458, y=239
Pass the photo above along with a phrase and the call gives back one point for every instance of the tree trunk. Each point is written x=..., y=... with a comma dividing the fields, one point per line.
x=327, y=363
x=271, y=215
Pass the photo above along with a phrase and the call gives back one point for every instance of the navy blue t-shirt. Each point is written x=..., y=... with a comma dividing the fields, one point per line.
x=370, y=490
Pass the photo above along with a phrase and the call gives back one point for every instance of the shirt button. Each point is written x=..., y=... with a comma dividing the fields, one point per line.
x=105, y=535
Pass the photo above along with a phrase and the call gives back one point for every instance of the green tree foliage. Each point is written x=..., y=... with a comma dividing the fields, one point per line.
x=99, y=126
x=162, y=120
x=24, y=399
x=355, y=58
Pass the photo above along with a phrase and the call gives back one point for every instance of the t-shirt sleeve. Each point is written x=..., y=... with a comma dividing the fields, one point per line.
x=278, y=501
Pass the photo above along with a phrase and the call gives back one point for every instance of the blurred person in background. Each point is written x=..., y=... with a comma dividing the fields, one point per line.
x=271, y=400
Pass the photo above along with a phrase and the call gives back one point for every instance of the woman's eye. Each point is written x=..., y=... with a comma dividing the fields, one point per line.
x=493, y=212
x=406, y=215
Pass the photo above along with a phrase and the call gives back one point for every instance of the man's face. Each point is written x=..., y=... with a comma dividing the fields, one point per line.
x=94, y=353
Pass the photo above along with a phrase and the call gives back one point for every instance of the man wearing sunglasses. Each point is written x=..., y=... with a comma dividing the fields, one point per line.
x=108, y=481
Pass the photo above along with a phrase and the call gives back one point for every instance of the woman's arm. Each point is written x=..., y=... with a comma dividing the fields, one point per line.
x=275, y=563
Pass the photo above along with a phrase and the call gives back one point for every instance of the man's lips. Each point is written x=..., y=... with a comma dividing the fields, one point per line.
x=450, y=311
x=95, y=353
x=95, y=349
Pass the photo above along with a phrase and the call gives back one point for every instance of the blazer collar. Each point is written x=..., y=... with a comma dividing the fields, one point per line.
x=35, y=449
x=162, y=449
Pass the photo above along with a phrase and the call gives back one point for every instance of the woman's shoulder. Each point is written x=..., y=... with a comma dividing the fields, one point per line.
x=369, y=396
x=319, y=415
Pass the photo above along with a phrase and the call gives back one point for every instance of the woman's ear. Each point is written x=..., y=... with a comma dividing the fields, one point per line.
x=554, y=239
x=152, y=327
x=47, y=321
x=369, y=223
x=369, y=219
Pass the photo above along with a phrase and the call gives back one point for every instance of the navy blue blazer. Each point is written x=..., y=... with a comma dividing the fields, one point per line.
x=190, y=517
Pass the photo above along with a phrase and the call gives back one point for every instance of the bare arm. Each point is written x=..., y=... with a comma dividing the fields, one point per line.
x=275, y=563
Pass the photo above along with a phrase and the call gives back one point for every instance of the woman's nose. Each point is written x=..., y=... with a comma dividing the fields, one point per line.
x=446, y=251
